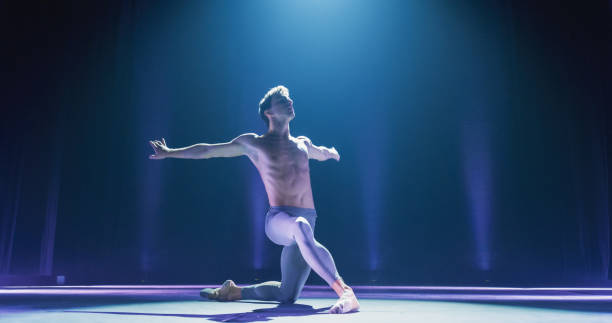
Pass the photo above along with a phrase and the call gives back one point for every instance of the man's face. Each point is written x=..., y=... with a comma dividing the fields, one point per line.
x=281, y=107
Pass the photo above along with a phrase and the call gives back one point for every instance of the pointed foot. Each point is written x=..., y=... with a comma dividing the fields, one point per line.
x=346, y=304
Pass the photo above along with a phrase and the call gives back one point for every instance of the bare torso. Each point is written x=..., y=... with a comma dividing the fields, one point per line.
x=283, y=166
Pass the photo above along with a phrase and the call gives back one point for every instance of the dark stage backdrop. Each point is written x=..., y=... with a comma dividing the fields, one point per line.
x=474, y=138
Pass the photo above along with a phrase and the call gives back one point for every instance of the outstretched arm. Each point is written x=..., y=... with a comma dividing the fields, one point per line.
x=233, y=148
x=319, y=153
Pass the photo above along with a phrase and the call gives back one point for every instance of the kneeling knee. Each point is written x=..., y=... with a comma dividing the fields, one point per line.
x=288, y=299
x=287, y=295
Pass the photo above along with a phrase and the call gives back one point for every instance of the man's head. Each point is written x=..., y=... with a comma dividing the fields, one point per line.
x=276, y=104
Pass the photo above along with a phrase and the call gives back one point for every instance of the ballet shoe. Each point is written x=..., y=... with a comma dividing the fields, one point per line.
x=346, y=304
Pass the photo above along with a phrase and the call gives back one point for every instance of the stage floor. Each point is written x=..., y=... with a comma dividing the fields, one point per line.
x=378, y=304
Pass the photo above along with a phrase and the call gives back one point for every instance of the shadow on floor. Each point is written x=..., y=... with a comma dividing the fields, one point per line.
x=263, y=314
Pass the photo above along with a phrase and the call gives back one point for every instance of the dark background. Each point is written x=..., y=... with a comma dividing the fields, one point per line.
x=474, y=138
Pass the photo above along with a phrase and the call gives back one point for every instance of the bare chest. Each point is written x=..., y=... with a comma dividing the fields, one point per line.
x=280, y=158
x=285, y=157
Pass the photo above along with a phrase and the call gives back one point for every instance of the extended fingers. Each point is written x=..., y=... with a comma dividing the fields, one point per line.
x=154, y=145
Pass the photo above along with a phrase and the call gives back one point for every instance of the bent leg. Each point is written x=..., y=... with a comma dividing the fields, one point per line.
x=301, y=252
x=320, y=259
x=266, y=291
x=294, y=271
x=315, y=254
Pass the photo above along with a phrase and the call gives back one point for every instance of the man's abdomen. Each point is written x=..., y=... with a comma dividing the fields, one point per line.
x=290, y=194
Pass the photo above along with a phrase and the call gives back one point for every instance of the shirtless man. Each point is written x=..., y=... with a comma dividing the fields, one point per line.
x=282, y=162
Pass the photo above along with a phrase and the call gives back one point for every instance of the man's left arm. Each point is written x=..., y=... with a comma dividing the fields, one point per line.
x=319, y=153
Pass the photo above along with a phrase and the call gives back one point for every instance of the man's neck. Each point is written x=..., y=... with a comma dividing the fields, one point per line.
x=280, y=130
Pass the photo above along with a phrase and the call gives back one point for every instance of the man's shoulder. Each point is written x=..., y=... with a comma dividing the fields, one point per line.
x=249, y=143
x=246, y=138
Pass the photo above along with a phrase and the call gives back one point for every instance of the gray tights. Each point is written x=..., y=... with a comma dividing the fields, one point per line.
x=293, y=228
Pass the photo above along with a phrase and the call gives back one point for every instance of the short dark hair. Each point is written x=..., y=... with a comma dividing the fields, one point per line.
x=264, y=104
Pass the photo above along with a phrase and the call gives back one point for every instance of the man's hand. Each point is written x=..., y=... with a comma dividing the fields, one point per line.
x=160, y=148
x=334, y=153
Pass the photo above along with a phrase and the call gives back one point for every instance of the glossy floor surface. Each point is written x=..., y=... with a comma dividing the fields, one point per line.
x=378, y=304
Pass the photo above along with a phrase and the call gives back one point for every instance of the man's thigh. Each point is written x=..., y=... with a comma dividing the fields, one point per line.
x=279, y=228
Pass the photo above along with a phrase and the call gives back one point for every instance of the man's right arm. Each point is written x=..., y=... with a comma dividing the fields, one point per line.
x=235, y=147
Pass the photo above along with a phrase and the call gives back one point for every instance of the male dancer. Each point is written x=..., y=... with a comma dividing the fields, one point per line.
x=282, y=162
